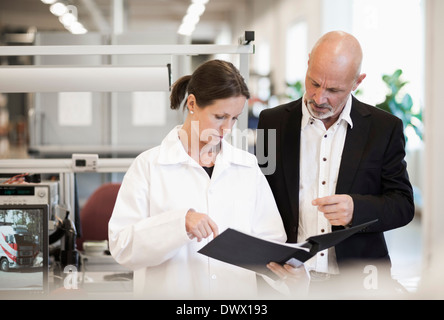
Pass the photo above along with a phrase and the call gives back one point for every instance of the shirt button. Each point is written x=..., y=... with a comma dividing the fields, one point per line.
x=322, y=254
x=322, y=230
x=213, y=276
x=325, y=136
x=323, y=182
x=324, y=159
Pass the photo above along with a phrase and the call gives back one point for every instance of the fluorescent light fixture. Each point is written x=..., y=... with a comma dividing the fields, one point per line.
x=67, y=16
x=67, y=19
x=190, y=20
x=186, y=30
x=58, y=9
x=196, y=9
x=77, y=28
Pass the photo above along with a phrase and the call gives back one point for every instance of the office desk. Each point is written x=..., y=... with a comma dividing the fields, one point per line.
x=99, y=277
x=102, y=275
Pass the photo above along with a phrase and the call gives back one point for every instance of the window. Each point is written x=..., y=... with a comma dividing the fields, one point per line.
x=392, y=37
x=296, y=52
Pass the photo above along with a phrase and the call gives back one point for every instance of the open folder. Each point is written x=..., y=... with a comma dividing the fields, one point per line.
x=252, y=253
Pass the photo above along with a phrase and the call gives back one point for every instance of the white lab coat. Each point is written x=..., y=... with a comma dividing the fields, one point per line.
x=147, y=228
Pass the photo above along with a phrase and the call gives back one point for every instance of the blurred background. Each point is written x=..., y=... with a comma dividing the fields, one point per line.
x=402, y=50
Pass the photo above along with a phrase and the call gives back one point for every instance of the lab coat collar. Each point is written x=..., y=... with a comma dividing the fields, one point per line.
x=236, y=156
x=171, y=149
x=172, y=152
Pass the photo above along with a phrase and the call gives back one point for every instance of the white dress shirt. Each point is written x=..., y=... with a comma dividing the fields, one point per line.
x=321, y=152
x=147, y=228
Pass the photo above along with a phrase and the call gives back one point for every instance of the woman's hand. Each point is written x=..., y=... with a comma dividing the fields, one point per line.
x=296, y=279
x=200, y=225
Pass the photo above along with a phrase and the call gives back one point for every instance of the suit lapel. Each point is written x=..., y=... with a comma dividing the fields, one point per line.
x=351, y=156
x=291, y=140
x=355, y=143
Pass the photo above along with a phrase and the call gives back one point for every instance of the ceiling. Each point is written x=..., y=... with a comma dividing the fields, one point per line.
x=97, y=15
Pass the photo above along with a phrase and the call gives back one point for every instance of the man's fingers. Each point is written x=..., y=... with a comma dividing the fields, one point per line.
x=338, y=209
x=326, y=201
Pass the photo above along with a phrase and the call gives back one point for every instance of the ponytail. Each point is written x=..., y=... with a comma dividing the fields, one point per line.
x=178, y=92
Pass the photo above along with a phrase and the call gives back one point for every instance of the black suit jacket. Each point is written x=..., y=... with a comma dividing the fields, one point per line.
x=372, y=171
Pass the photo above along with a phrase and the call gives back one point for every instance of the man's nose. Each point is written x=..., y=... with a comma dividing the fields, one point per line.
x=320, y=96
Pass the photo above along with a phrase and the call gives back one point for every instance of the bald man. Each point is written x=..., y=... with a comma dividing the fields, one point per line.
x=339, y=162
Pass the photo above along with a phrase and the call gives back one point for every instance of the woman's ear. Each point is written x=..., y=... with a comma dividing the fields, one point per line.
x=191, y=103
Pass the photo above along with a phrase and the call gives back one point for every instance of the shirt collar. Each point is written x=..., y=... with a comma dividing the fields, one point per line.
x=173, y=152
x=345, y=114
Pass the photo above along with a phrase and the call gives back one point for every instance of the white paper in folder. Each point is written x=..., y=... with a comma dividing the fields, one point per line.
x=84, y=78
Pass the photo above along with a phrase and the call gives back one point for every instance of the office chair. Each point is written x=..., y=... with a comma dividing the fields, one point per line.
x=94, y=218
x=96, y=213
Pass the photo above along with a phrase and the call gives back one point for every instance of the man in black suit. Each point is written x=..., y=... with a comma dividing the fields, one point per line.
x=334, y=162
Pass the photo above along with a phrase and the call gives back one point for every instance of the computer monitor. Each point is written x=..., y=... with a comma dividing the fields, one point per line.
x=23, y=250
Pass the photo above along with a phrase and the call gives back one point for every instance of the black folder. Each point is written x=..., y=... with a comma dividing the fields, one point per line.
x=252, y=253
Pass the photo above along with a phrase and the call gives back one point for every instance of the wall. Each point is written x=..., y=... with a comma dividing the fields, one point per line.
x=116, y=127
x=270, y=23
x=433, y=221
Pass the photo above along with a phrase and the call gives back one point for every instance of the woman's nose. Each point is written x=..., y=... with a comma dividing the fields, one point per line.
x=227, y=125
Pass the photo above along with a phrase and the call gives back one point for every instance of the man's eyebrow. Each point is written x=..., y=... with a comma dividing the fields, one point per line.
x=329, y=88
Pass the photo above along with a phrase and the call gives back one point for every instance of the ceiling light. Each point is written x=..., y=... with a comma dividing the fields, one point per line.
x=67, y=16
x=77, y=28
x=186, y=30
x=196, y=9
x=58, y=9
x=190, y=20
x=67, y=19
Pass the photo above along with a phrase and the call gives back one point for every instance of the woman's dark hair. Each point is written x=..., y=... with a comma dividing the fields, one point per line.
x=213, y=80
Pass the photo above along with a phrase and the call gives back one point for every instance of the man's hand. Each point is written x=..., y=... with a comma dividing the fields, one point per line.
x=337, y=209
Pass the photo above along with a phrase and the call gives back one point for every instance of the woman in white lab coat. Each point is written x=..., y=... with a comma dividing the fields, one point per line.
x=177, y=196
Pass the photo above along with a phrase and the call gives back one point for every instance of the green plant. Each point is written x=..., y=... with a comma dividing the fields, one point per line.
x=401, y=107
x=295, y=90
